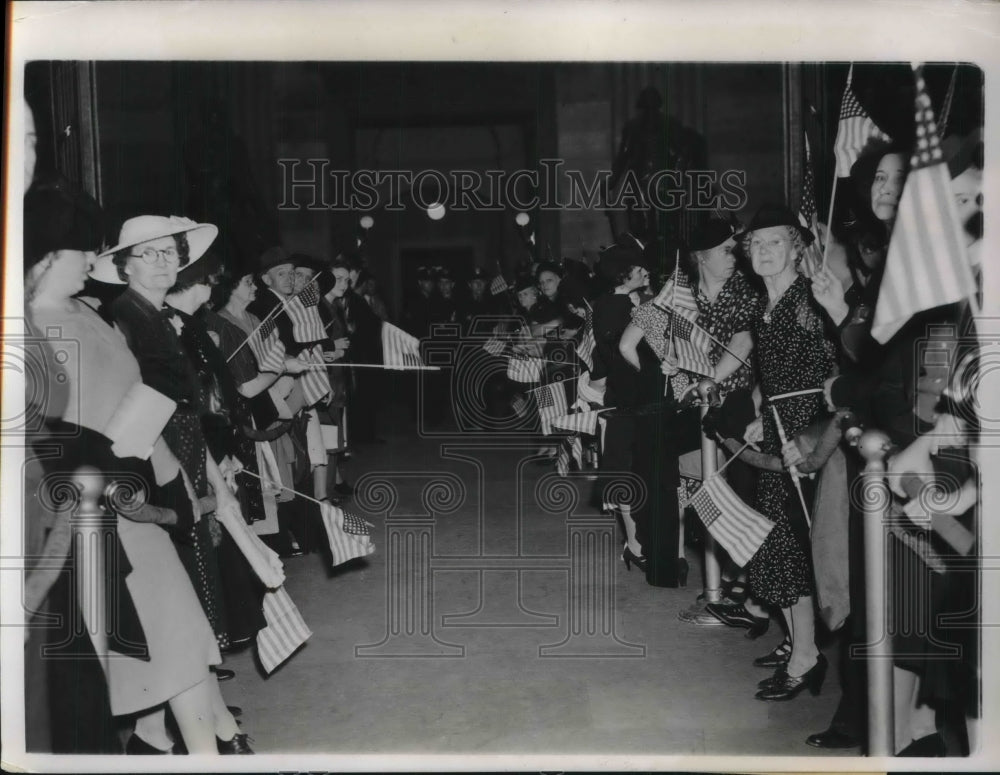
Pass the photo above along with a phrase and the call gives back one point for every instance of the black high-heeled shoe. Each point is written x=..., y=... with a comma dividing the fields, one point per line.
x=791, y=686
x=628, y=557
x=778, y=657
x=778, y=676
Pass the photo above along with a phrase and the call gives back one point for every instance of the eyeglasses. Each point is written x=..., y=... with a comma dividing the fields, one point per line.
x=149, y=255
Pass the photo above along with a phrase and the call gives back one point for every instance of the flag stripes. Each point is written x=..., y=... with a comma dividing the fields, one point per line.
x=927, y=264
x=315, y=382
x=521, y=368
x=303, y=311
x=585, y=350
x=267, y=348
x=498, y=285
x=738, y=528
x=854, y=130
x=286, y=630
x=399, y=349
x=346, y=533
x=551, y=402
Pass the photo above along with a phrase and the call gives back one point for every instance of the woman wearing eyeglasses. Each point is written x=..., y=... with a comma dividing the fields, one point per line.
x=151, y=251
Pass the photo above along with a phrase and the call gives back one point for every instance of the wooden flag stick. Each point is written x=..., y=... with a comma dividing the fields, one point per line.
x=797, y=393
x=296, y=493
x=792, y=470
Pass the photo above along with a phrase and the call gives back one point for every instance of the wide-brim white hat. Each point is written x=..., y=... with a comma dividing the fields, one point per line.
x=144, y=228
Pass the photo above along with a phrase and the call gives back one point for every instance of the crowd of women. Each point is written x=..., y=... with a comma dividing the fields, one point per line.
x=793, y=358
x=243, y=437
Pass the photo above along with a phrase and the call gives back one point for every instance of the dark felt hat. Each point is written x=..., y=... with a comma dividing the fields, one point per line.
x=57, y=216
x=442, y=273
x=479, y=274
x=711, y=234
x=200, y=271
x=305, y=261
x=423, y=273
x=963, y=152
x=272, y=257
x=616, y=260
x=525, y=281
x=775, y=215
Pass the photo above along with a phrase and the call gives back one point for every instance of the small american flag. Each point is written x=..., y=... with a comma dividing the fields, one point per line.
x=499, y=285
x=587, y=342
x=681, y=297
x=569, y=449
x=285, y=631
x=315, y=382
x=854, y=130
x=399, y=349
x=691, y=346
x=267, y=348
x=303, y=311
x=738, y=528
x=496, y=343
x=520, y=405
x=813, y=258
x=521, y=368
x=927, y=264
x=347, y=533
x=551, y=400
x=578, y=422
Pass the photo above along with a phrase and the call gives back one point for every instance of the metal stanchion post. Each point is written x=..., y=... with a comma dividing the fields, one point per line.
x=873, y=447
x=708, y=391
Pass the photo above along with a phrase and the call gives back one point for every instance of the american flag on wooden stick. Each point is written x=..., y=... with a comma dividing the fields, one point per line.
x=521, y=368
x=315, y=382
x=551, y=400
x=738, y=528
x=927, y=264
x=399, y=349
x=498, y=285
x=267, y=348
x=587, y=341
x=813, y=258
x=285, y=631
x=303, y=311
x=854, y=130
x=691, y=346
x=347, y=533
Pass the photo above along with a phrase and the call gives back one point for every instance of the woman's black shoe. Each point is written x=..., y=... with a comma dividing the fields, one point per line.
x=832, y=738
x=222, y=674
x=776, y=658
x=238, y=745
x=136, y=746
x=790, y=687
x=630, y=558
x=777, y=677
x=739, y=616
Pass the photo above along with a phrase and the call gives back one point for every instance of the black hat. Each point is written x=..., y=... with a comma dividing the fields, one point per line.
x=442, y=273
x=616, y=260
x=963, y=152
x=199, y=271
x=712, y=234
x=775, y=215
x=272, y=257
x=549, y=266
x=479, y=274
x=524, y=281
x=57, y=216
x=423, y=273
x=305, y=261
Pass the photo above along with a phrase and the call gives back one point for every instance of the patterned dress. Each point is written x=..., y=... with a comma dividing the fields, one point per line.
x=794, y=354
x=153, y=338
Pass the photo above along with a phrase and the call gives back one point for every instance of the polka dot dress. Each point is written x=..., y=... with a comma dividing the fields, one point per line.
x=794, y=354
x=184, y=436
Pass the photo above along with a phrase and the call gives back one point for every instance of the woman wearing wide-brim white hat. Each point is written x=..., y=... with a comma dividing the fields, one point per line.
x=151, y=238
